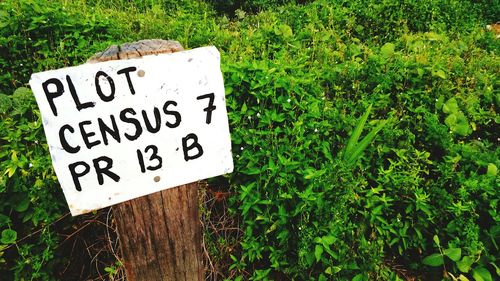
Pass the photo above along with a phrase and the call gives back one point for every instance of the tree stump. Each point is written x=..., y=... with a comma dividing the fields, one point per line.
x=160, y=234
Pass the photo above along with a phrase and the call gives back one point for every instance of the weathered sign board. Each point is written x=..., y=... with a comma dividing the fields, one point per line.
x=122, y=129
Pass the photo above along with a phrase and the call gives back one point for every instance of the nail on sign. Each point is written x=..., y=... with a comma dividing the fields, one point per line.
x=122, y=129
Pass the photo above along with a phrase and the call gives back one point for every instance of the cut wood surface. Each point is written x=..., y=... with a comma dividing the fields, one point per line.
x=160, y=234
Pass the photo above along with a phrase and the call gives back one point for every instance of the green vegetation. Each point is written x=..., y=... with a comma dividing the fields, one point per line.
x=365, y=133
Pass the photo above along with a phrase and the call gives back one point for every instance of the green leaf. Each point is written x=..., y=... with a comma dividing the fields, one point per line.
x=251, y=171
x=465, y=264
x=434, y=260
x=328, y=270
x=439, y=73
x=360, y=277
x=387, y=50
x=4, y=19
x=353, y=140
x=329, y=240
x=481, y=274
x=492, y=169
x=420, y=72
x=22, y=205
x=365, y=142
x=4, y=220
x=286, y=31
x=21, y=91
x=333, y=269
x=9, y=236
x=436, y=240
x=453, y=253
x=318, y=250
x=462, y=278
x=451, y=106
x=458, y=123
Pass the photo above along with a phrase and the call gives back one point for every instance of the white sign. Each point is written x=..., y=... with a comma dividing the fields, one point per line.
x=122, y=129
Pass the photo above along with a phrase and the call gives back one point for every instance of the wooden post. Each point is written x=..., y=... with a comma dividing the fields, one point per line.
x=160, y=234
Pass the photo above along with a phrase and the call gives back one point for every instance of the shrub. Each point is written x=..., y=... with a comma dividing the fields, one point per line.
x=315, y=199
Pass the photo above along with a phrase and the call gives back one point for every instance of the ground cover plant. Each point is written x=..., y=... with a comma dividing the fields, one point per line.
x=365, y=137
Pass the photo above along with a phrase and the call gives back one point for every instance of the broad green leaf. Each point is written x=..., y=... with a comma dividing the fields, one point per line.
x=9, y=236
x=481, y=274
x=286, y=31
x=4, y=19
x=360, y=277
x=451, y=120
x=458, y=123
x=439, y=73
x=318, y=250
x=11, y=171
x=451, y=106
x=492, y=169
x=462, y=127
x=22, y=91
x=465, y=264
x=4, y=220
x=420, y=72
x=439, y=102
x=329, y=240
x=22, y=205
x=453, y=253
x=387, y=50
x=433, y=260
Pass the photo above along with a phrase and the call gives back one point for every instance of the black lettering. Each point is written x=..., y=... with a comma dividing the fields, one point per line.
x=211, y=107
x=176, y=114
x=52, y=95
x=149, y=127
x=86, y=135
x=194, y=144
x=72, y=90
x=64, y=142
x=104, y=170
x=127, y=71
x=154, y=156
x=98, y=86
x=105, y=130
x=138, y=128
x=75, y=175
x=141, y=160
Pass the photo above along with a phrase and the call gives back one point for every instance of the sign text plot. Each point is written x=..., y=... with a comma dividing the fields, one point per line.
x=122, y=129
